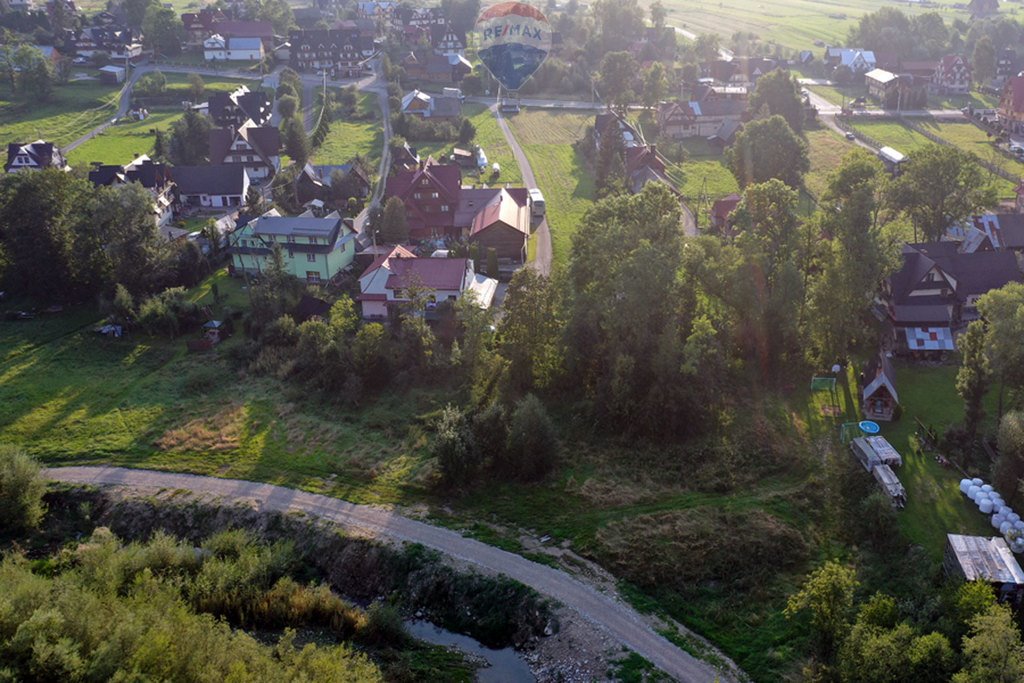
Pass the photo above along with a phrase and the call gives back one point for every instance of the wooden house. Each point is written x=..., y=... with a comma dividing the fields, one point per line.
x=878, y=397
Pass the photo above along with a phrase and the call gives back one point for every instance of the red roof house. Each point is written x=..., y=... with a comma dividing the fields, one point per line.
x=431, y=195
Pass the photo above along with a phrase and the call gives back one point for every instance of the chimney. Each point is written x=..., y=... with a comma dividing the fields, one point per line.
x=654, y=149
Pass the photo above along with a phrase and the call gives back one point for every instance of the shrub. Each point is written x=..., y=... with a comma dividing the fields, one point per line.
x=454, y=448
x=383, y=626
x=490, y=432
x=532, y=442
x=21, y=491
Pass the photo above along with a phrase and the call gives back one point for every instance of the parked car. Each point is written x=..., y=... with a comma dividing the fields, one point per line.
x=850, y=136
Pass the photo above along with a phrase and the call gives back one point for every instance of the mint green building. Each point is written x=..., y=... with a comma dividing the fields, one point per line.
x=314, y=249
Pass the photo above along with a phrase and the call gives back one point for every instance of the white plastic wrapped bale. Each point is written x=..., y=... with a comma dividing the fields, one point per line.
x=977, y=482
x=965, y=484
x=973, y=492
x=1005, y=527
x=1005, y=510
x=998, y=520
x=985, y=506
x=1015, y=518
x=987, y=488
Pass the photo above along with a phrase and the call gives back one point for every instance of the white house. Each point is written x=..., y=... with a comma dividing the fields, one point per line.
x=217, y=48
x=855, y=59
x=385, y=282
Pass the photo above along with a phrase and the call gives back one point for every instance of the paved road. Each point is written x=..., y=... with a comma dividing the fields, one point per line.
x=620, y=621
x=124, y=103
x=542, y=259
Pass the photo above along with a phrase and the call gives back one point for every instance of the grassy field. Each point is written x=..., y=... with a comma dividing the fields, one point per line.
x=973, y=139
x=74, y=110
x=966, y=136
x=561, y=172
x=794, y=24
x=123, y=141
x=703, y=171
x=841, y=94
x=826, y=149
x=349, y=138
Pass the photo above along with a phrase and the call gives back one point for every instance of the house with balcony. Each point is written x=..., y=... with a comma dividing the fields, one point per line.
x=211, y=186
x=952, y=76
x=257, y=148
x=155, y=177
x=34, y=156
x=1011, y=106
x=314, y=249
x=384, y=285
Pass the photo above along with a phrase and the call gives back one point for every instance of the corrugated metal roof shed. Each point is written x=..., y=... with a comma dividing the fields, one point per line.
x=987, y=559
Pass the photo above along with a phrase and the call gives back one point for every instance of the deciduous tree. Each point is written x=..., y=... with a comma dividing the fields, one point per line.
x=779, y=92
x=394, y=227
x=766, y=149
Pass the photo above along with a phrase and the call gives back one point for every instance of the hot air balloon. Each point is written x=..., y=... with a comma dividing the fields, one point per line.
x=514, y=40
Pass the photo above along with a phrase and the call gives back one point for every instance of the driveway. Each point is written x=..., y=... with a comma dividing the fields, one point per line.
x=618, y=620
x=542, y=259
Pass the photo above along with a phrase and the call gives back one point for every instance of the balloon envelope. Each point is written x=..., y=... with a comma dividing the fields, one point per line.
x=514, y=40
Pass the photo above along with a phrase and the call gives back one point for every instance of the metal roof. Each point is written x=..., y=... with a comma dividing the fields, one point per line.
x=929, y=339
x=988, y=559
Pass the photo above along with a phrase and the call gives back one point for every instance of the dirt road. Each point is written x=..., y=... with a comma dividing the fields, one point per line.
x=621, y=622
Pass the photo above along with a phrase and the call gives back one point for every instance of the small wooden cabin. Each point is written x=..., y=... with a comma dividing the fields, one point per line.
x=977, y=558
x=879, y=398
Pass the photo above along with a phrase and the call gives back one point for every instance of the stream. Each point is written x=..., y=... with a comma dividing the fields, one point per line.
x=506, y=666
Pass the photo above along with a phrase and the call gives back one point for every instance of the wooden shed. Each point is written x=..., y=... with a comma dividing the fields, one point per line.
x=977, y=558
x=879, y=398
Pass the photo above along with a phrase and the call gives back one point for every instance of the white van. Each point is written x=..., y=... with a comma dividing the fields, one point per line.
x=536, y=202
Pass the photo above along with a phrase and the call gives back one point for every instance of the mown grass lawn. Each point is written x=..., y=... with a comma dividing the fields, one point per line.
x=123, y=141
x=561, y=172
x=840, y=95
x=73, y=110
x=971, y=138
x=934, y=504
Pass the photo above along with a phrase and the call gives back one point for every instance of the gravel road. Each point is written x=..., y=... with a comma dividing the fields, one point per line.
x=621, y=622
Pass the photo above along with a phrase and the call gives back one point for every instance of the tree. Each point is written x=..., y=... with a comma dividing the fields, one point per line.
x=1009, y=466
x=528, y=332
x=394, y=228
x=939, y=186
x=707, y=47
x=126, y=246
x=296, y=144
x=163, y=29
x=122, y=307
x=161, y=146
x=39, y=212
x=779, y=93
x=279, y=14
x=153, y=83
x=190, y=139
x=21, y=491
x=827, y=595
x=344, y=318
x=993, y=651
x=983, y=60
x=1003, y=311
x=766, y=149
x=135, y=11
x=38, y=79
x=611, y=171
x=972, y=379
x=658, y=14
x=533, y=447
x=467, y=131
x=196, y=87
x=254, y=203
x=616, y=78
x=287, y=105
x=655, y=84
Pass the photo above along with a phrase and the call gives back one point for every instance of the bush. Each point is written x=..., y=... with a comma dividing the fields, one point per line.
x=490, y=432
x=21, y=491
x=383, y=626
x=454, y=448
x=168, y=312
x=532, y=442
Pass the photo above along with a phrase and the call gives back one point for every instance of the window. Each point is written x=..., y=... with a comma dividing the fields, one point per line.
x=312, y=276
x=312, y=240
x=291, y=239
x=311, y=258
x=434, y=195
x=444, y=208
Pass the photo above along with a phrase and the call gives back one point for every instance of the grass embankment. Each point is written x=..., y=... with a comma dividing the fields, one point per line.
x=73, y=110
x=561, y=172
x=123, y=141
